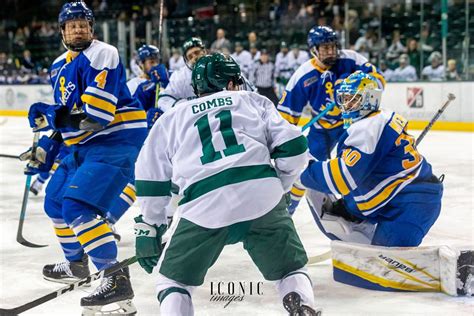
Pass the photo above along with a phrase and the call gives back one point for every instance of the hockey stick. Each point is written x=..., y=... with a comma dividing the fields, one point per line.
x=160, y=35
x=19, y=233
x=9, y=156
x=328, y=108
x=319, y=258
x=69, y=288
x=451, y=97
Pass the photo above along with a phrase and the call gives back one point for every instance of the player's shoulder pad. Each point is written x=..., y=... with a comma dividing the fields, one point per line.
x=304, y=72
x=365, y=134
x=134, y=83
x=352, y=55
x=60, y=58
x=102, y=55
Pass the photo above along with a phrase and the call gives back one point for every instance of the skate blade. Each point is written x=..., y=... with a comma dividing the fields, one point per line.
x=124, y=308
x=66, y=281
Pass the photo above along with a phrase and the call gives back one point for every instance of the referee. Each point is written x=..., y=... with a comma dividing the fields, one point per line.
x=261, y=75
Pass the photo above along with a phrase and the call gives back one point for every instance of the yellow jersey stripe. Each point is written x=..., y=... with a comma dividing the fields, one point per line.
x=297, y=191
x=327, y=125
x=98, y=103
x=75, y=140
x=381, y=281
x=290, y=118
x=94, y=233
x=337, y=177
x=384, y=194
x=130, y=192
x=316, y=66
x=63, y=232
x=129, y=116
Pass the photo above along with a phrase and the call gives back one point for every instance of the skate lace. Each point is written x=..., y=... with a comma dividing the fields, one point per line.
x=105, y=285
x=63, y=266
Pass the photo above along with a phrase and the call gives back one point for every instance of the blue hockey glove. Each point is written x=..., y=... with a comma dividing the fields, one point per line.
x=44, y=157
x=152, y=115
x=159, y=75
x=42, y=116
x=148, y=246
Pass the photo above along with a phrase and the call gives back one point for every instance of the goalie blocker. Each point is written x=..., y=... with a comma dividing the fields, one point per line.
x=412, y=269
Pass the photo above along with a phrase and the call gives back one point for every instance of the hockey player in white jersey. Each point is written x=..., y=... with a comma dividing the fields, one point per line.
x=179, y=87
x=218, y=149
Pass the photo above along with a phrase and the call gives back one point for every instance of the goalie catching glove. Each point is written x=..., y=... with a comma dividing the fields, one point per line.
x=148, y=245
x=43, y=159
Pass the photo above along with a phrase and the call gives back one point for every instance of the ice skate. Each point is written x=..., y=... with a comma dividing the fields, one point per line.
x=292, y=303
x=68, y=271
x=112, y=297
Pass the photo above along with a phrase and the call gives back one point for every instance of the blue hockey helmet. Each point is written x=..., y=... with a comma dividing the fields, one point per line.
x=148, y=52
x=358, y=95
x=76, y=11
x=321, y=34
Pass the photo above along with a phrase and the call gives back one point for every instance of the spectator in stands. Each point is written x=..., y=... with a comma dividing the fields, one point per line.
x=8, y=70
x=221, y=42
x=396, y=48
x=243, y=58
x=252, y=38
x=26, y=61
x=386, y=72
x=364, y=51
x=425, y=40
x=297, y=57
x=176, y=61
x=452, y=72
x=413, y=54
x=254, y=52
x=261, y=75
x=435, y=71
x=365, y=40
x=379, y=47
x=405, y=72
x=283, y=71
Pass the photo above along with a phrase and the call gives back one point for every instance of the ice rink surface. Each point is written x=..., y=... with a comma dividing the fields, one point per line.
x=450, y=153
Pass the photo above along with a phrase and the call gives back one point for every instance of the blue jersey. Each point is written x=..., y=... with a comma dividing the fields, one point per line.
x=376, y=162
x=94, y=83
x=144, y=91
x=313, y=84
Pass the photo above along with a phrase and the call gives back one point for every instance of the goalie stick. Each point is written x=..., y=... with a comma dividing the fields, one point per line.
x=19, y=233
x=451, y=97
x=69, y=288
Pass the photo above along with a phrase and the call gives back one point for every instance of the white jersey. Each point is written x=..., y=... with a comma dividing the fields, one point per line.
x=133, y=84
x=176, y=64
x=296, y=61
x=433, y=74
x=404, y=74
x=218, y=150
x=245, y=61
x=180, y=89
x=282, y=66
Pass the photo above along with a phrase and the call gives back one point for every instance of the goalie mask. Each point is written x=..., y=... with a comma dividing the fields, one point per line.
x=76, y=22
x=358, y=96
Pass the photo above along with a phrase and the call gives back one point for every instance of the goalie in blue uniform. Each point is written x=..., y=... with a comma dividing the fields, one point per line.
x=379, y=172
x=105, y=127
x=314, y=82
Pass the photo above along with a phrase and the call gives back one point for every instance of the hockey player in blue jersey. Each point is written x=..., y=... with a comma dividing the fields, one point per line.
x=314, y=82
x=105, y=127
x=155, y=77
x=378, y=170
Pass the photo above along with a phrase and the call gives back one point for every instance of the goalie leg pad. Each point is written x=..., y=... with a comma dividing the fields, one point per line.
x=412, y=269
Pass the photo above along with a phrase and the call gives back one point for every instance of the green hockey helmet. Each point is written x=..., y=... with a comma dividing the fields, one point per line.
x=213, y=72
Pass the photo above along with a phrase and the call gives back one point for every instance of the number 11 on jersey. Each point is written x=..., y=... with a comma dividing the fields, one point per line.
x=209, y=153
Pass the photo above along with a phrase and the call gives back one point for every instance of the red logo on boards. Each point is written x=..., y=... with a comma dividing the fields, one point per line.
x=415, y=97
